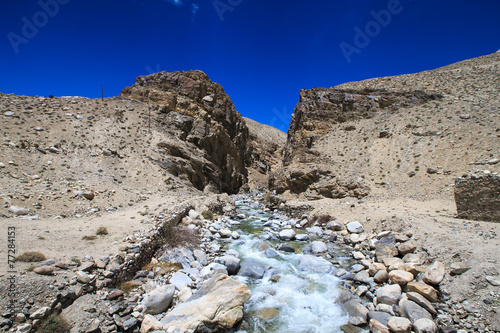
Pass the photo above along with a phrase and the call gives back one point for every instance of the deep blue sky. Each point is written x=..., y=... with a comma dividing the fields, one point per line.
x=261, y=52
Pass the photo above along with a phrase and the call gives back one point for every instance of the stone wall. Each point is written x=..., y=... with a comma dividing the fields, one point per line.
x=478, y=198
x=140, y=255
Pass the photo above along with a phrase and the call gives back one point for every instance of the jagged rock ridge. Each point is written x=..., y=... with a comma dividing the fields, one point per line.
x=210, y=139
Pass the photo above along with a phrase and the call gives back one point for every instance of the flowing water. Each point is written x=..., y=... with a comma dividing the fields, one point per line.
x=299, y=301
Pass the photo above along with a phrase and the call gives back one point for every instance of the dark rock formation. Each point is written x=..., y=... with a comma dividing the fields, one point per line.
x=206, y=139
x=478, y=198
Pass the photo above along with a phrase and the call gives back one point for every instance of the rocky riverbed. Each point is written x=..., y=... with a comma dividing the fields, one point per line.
x=255, y=270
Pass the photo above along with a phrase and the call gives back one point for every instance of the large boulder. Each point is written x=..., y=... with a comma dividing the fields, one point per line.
x=159, y=299
x=217, y=306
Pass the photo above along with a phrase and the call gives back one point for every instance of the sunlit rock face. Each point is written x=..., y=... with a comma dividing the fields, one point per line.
x=206, y=139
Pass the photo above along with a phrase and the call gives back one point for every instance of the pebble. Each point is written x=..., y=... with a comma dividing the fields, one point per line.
x=18, y=210
x=493, y=280
x=44, y=270
x=400, y=277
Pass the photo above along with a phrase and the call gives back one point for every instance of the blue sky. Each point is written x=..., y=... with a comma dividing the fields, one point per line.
x=261, y=52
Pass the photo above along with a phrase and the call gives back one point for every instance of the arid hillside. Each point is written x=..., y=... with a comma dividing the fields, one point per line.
x=402, y=136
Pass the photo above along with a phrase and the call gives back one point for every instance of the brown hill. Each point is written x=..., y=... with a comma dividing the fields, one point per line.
x=407, y=135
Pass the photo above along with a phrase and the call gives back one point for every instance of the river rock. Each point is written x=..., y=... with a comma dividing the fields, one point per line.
x=406, y=248
x=218, y=303
x=434, y=273
x=287, y=248
x=395, y=264
x=159, y=299
x=266, y=314
x=458, y=268
x=18, y=210
x=385, y=251
x=335, y=226
x=424, y=289
x=252, y=268
x=40, y=313
x=415, y=312
x=287, y=234
x=378, y=327
x=379, y=316
x=225, y=233
x=422, y=301
x=182, y=255
x=389, y=294
x=302, y=237
x=180, y=280
x=232, y=263
x=314, y=264
x=385, y=308
x=44, y=270
x=349, y=328
x=201, y=257
x=185, y=294
x=381, y=276
x=270, y=253
x=399, y=325
x=358, y=313
x=413, y=258
x=363, y=277
x=318, y=247
x=355, y=227
x=150, y=324
x=375, y=267
x=315, y=231
x=425, y=325
x=400, y=277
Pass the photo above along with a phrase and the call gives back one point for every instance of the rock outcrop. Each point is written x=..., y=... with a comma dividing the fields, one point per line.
x=308, y=170
x=320, y=108
x=478, y=198
x=209, y=139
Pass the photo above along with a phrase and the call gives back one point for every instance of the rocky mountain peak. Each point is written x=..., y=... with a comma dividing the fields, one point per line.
x=211, y=147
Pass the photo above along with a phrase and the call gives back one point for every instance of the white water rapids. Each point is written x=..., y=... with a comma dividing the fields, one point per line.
x=304, y=300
